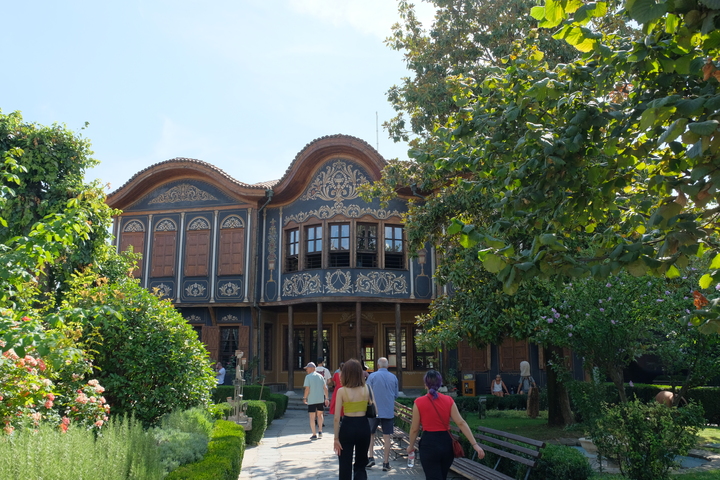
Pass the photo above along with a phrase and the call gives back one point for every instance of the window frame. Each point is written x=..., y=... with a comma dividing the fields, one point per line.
x=316, y=256
x=394, y=255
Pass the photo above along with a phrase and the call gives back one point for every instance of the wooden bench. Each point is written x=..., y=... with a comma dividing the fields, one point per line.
x=402, y=436
x=525, y=451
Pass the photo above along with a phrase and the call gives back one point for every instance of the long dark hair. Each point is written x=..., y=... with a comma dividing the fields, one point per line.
x=351, y=374
x=433, y=381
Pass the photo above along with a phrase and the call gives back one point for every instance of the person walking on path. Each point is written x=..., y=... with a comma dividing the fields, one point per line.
x=315, y=397
x=433, y=412
x=338, y=384
x=528, y=386
x=384, y=386
x=354, y=433
x=497, y=386
x=322, y=370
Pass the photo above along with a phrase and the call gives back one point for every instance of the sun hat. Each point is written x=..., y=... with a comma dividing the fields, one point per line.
x=311, y=365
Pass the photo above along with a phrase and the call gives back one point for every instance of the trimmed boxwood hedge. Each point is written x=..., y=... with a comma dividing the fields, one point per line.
x=258, y=411
x=561, y=463
x=223, y=459
x=282, y=403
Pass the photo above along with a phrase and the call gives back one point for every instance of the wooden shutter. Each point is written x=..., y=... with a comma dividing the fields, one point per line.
x=136, y=240
x=163, y=254
x=472, y=359
x=244, y=340
x=197, y=252
x=211, y=339
x=512, y=352
x=232, y=248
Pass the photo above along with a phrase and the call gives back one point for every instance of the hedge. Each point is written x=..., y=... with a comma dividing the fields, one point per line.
x=271, y=408
x=282, y=403
x=561, y=463
x=223, y=459
x=258, y=411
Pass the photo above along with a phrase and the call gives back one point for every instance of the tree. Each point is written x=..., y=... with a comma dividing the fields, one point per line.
x=621, y=144
x=51, y=222
x=148, y=357
x=467, y=37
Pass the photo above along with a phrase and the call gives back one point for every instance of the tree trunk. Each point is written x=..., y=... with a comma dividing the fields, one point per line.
x=559, y=412
x=616, y=375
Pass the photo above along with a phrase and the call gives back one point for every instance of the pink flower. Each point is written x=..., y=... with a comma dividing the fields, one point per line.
x=99, y=423
x=50, y=396
x=613, y=322
x=66, y=421
x=48, y=404
x=631, y=383
x=25, y=319
x=9, y=429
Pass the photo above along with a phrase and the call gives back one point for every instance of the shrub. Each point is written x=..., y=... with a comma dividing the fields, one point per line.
x=271, y=407
x=281, y=401
x=252, y=392
x=223, y=459
x=561, y=463
x=222, y=392
x=149, y=358
x=645, y=438
x=122, y=449
x=257, y=410
x=219, y=411
x=183, y=437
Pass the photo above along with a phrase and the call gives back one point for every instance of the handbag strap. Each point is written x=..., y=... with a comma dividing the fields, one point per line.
x=440, y=417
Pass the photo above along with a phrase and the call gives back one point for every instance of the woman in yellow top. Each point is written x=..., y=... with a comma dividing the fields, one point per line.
x=354, y=432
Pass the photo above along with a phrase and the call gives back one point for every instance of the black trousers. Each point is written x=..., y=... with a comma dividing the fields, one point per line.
x=436, y=454
x=354, y=435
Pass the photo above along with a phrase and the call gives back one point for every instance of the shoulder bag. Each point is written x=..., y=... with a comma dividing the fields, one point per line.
x=371, y=411
x=458, y=451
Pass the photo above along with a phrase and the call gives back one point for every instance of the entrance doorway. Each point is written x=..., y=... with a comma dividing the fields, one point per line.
x=368, y=352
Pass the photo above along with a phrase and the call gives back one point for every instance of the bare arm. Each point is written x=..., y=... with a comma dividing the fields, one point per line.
x=305, y=395
x=336, y=419
x=505, y=387
x=465, y=429
x=414, y=428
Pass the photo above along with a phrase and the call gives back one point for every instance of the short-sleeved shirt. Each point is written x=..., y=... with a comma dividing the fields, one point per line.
x=434, y=418
x=316, y=382
x=324, y=372
x=385, y=390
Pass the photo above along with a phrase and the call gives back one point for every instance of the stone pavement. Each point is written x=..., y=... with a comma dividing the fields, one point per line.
x=287, y=453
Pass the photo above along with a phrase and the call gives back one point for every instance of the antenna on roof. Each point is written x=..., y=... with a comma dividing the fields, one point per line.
x=377, y=136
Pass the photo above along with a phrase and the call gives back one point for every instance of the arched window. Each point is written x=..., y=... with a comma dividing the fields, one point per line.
x=163, y=249
x=197, y=247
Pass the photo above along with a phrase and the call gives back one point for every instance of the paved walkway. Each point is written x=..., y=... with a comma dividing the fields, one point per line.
x=286, y=453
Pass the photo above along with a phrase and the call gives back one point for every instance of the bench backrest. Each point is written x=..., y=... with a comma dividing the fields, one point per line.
x=525, y=451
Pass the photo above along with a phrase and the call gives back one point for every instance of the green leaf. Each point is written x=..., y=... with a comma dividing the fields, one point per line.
x=538, y=13
x=706, y=280
x=455, y=226
x=493, y=263
x=704, y=128
x=715, y=264
x=672, y=272
x=646, y=11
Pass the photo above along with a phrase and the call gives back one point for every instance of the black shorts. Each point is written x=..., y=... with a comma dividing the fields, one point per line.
x=387, y=425
x=316, y=407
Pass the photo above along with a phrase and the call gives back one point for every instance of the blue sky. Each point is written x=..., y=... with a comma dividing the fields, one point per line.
x=243, y=85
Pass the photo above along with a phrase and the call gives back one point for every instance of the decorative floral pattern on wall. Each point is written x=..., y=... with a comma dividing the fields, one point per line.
x=350, y=211
x=134, y=226
x=341, y=282
x=233, y=221
x=229, y=289
x=166, y=225
x=195, y=290
x=162, y=290
x=381, y=282
x=337, y=182
x=199, y=224
x=183, y=193
x=302, y=284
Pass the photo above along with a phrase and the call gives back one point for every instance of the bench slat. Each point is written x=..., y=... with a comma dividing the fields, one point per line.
x=508, y=455
x=512, y=436
x=476, y=471
x=519, y=448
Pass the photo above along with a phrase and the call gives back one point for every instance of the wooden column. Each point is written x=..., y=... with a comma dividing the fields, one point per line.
x=358, y=328
x=398, y=347
x=319, y=350
x=291, y=353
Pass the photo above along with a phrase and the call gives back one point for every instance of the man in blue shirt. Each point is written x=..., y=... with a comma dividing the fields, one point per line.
x=385, y=390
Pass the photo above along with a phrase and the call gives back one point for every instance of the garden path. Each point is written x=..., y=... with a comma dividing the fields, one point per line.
x=287, y=453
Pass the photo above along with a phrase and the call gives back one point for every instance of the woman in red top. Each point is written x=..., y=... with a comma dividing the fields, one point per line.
x=338, y=384
x=434, y=411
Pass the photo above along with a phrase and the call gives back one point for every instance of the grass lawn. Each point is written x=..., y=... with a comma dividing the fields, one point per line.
x=517, y=422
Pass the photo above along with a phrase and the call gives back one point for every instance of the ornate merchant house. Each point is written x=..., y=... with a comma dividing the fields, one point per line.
x=294, y=269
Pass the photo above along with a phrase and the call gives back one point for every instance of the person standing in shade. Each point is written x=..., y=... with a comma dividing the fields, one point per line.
x=433, y=412
x=353, y=435
x=384, y=386
x=528, y=387
x=219, y=373
x=338, y=384
x=315, y=397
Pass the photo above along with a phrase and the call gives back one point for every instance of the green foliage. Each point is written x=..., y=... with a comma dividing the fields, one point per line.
x=646, y=438
x=561, y=463
x=51, y=222
x=223, y=459
x=252, y=392
x=271, y=408
x=258, y=411
x=709, y=398
x=219, y=411
x=222, y=392
x=123, y=451
x=281, y=402
x=149, y=359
